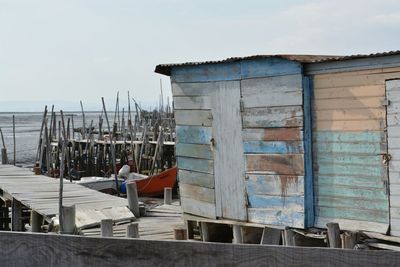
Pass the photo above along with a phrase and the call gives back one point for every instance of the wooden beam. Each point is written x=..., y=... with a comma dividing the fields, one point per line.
x=22, y=249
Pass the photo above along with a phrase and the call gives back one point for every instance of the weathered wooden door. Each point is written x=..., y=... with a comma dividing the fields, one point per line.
x=393, y=133
x=228, y=151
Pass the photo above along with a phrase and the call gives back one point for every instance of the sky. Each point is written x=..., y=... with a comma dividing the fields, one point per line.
x=60, y=52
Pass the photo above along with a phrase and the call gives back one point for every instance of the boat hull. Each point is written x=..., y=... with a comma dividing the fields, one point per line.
x=154, y=185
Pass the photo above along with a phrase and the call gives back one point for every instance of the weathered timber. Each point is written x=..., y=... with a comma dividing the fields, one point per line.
x=22, y=249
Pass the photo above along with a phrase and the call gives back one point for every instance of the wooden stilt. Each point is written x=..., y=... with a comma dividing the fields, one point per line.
x=16, y=214
x=289, y=237
x=36, y=221
x=334, y=235
x=68, y=223
x=237, y=234
x=167, y=196
x=271, y=236
x=180, y=233
x=132, y=230
x=107, y=228
x=133, y=199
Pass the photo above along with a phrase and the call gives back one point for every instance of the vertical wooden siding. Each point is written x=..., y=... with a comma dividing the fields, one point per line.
x=393, y=120
x=273, y=144
x=349, y=121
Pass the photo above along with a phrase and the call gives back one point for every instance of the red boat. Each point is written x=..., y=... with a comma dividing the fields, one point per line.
x=151, y=186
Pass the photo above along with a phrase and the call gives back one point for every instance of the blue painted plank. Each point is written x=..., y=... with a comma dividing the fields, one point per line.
x=273, y=147
x=206, y=72
x=309, y=217
x=349, y=148
x=269, y=67
x=276, y=217
x=279, y=185
x=193, y=134
x=354, y=64
x=353, y=214
x=341, y=202
x=289, y=203
x=196, y=178
x=339, y=180
x=334, y=159
x=197, y=165
x=364, y=137
x=347, y=169
x=193, y=151
x=344, y=191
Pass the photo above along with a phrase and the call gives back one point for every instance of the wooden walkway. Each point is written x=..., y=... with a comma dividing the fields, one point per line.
x=40, y=193
x=158, y=224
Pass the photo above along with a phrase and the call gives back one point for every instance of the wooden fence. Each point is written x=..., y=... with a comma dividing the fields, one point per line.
x=32, y=249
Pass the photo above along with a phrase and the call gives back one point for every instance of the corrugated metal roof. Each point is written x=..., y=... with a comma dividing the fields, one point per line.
x=166, y=68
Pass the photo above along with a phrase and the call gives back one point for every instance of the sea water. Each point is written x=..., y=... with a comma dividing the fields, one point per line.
x=27, y=131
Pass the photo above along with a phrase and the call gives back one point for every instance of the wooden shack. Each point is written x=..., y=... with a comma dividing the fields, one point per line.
x=290, y=140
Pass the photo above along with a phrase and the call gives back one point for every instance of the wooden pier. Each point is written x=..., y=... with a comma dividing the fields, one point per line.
x=41, y=194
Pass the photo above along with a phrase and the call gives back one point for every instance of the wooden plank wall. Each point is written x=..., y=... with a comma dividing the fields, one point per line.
x=393, y=121
x=193, y=116
x=42, y=250
x=211, y=173
x=273, y=144
x=349, y=120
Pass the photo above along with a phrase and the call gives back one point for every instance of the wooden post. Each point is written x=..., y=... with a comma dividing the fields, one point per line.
x=180, y=233
x=167, y=195
x=4, y=159
x=350, y=240
x=289, y=237
x=15, y=147
x=40, y=147
x=112, y=147
x=190, y=230
x=36, y=222
x=133, y=199
x=271, y=236
x=68, y=223
x=205, y=235
x=132, y=230
x=334, y=235
x=237, y=234
x=107, y=228
x=16, y=214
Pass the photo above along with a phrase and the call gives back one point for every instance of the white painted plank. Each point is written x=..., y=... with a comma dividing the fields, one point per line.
x=193, y=117
x=228, y=155
x=260, y=86
x=200, y=208
x=273, y=117
x=197, y=192
x=194, y=102
x=193, y=89
x=273, y=99
x=353, y=225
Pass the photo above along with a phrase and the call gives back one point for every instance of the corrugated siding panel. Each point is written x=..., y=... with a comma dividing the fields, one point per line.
x=349, y=122
x=273, y=145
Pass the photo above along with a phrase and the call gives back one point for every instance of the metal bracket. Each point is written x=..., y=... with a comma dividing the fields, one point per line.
x=385, y=102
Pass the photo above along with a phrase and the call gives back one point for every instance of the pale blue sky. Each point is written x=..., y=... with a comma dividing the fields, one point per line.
x=54, y=51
